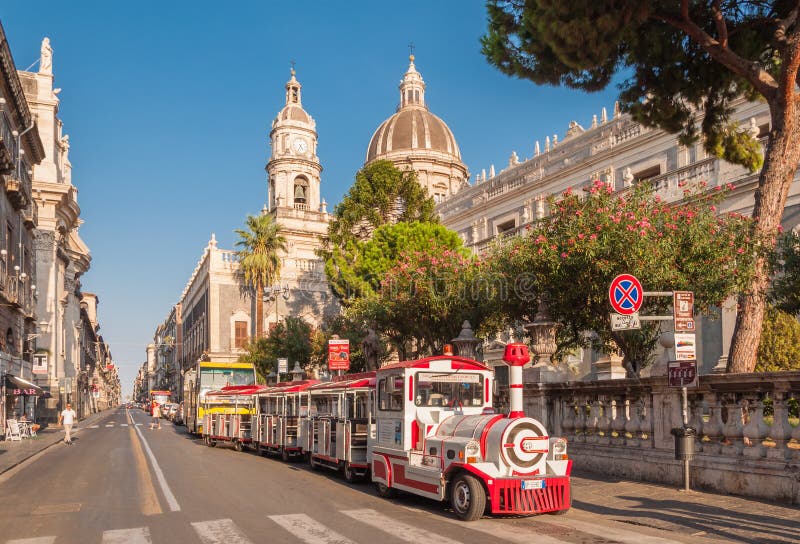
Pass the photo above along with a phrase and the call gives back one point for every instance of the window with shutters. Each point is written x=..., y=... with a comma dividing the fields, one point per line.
x=241, y=334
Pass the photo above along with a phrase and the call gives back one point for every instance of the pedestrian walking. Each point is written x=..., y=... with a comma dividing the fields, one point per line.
x=156, y=416
x=68, y=416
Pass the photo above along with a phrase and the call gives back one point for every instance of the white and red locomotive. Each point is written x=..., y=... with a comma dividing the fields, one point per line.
x=425, y=427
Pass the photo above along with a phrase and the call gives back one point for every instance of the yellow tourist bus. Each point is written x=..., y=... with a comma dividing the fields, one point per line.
x=206, y=376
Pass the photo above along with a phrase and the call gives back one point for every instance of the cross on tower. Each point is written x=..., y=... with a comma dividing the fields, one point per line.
x=292, y=63
x=411, y=47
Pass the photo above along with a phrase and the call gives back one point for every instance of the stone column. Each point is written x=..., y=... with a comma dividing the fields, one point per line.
x=728, y=322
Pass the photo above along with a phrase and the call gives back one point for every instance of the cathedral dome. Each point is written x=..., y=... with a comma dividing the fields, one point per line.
x=413, y=128
x=414, y=138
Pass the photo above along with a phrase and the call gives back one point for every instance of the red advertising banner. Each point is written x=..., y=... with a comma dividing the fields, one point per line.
x=339, y=354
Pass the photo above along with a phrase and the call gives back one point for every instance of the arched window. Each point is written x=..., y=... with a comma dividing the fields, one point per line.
x=300, y=191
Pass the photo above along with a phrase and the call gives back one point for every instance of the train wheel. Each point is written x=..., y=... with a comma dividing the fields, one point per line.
x=385, y=491
x=312, y=463
x=237, y=445
x=350, y=475
x=259, y=451
x=212, y=443
x=285, y=457
x=468, y=497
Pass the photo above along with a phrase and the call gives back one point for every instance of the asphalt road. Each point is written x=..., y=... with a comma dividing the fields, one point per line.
x=123, y=483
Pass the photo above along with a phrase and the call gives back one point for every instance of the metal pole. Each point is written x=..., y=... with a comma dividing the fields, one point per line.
x=685, y=410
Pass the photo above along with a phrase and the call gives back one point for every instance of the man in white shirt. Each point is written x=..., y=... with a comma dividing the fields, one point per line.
x=68, y=417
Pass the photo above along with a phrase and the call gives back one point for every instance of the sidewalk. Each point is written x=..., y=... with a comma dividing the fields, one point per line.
x=14, y=453
x=701, y=514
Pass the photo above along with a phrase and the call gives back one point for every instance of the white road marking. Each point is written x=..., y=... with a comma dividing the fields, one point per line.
x=308, y=530
x=110, y=425
x=171, y=501
x=219, y=531
x=94, y=426
x=397, y=529
x=39, y=540
x=140, y=535
x=507, y=533
x=139, y=424
x=123, y=424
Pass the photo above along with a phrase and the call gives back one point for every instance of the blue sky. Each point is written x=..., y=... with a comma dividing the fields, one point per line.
x=168, y=107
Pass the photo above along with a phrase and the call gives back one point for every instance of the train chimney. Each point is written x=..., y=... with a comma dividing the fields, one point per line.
x=515, y=356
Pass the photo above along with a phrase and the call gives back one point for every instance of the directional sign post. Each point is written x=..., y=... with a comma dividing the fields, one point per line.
x=626, y=294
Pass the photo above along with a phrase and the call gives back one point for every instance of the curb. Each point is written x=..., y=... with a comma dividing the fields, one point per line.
x=90, y=419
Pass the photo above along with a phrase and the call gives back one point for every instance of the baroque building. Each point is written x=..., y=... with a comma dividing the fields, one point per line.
x=620, y=152
x=413, y=138
x=61, y=256
x=21, y=148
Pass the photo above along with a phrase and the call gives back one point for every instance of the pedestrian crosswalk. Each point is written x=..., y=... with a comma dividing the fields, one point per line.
x=302, y=528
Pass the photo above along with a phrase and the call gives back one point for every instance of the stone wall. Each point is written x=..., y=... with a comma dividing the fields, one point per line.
x=622, y=428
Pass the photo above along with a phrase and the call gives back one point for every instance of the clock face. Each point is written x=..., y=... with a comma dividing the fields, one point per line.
x=300, y=145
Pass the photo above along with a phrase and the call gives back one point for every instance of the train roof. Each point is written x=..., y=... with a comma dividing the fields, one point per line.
x=348, y=381
x=457, y=363
x=288, y=387
x=241, y=390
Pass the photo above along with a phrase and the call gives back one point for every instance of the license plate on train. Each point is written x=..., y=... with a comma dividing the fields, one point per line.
x=533, y=484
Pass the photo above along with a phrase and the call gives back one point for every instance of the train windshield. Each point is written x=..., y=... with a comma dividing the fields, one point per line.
x=217, y=378
x=454, y=390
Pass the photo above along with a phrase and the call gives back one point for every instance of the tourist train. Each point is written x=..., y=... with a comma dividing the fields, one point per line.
x=425, y=427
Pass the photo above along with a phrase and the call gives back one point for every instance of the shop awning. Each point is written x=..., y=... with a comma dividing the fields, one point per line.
x=15, y=382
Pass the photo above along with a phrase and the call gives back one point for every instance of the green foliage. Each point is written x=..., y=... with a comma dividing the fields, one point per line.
x=569, y=259
x=356, y=270
x=671, y=80
x=779, y=348
x=259, y=250
x=290, y=338
x=425, y=297
x=381, y=194
x=350, y=325
x=785, y=292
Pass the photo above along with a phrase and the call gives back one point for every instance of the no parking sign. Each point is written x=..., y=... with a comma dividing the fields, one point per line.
x=625, y=294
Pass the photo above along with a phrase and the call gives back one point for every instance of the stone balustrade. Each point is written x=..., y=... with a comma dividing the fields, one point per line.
x=622, y=428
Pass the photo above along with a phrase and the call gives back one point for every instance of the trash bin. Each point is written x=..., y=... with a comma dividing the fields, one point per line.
x=684, y=442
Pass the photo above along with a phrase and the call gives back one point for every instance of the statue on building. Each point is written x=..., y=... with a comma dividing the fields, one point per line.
x=753, y=129
x=369, y=347
x=627, y=176
x=46, y=58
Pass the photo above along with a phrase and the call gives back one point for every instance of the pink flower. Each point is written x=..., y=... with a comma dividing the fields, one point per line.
x=581, y=236
x=593, y=236
x=564, y=255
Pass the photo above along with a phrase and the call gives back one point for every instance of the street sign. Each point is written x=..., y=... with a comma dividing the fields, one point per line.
x=39, y=363
x=683, y=311
x=625, y=294
x=621, y=322
x=685, y=346
x=338, y=354
x=682, y=373
x=283, y=365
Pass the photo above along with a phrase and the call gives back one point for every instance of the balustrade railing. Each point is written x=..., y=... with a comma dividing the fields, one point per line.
x=739, y=418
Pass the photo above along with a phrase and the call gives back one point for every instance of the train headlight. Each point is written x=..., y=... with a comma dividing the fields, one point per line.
x=473, y=452
x=559, y=449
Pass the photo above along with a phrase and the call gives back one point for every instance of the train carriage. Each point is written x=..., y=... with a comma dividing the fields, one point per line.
x=282, y=419
x=438, y=436
x=340, y=423
x=231, y=419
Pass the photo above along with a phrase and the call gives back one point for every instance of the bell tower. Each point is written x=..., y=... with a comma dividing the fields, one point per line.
x=295, y=203
x=293, y=169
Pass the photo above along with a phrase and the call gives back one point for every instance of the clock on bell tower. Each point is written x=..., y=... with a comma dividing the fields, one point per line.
x=293, y=169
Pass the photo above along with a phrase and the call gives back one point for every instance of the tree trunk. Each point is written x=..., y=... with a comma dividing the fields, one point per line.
x=259, y=310
x=780, y=165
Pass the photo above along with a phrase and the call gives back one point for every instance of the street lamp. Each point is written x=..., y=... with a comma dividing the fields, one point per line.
x=272, y=296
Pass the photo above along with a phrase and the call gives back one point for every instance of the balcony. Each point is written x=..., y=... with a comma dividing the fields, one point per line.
x=16, y=191
x=30, y=215
x=8, y=146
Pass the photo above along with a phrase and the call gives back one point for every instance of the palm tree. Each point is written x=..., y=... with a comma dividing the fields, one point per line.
x=260, y=246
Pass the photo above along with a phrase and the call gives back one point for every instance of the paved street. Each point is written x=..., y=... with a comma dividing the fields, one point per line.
x=124, y=483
